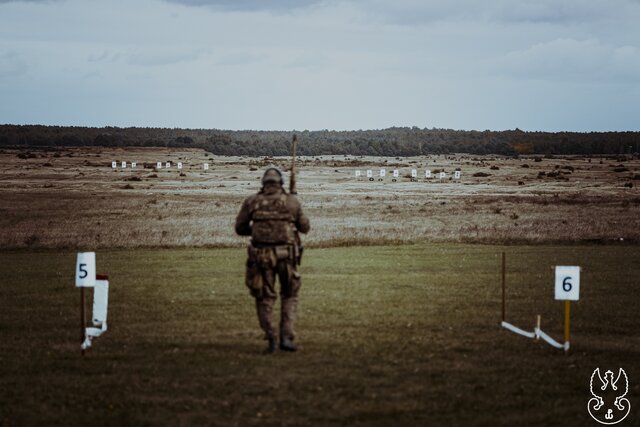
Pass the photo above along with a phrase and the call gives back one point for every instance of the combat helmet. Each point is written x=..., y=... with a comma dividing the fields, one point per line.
x=272, y=174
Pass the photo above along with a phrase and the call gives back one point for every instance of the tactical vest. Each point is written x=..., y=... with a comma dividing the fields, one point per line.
x=273, y=222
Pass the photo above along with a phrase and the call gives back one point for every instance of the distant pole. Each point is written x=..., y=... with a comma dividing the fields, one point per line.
x=504, y=286
x=567, y=315
x=82, y=319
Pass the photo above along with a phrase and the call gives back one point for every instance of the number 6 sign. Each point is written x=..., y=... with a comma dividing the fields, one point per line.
x=86, y=270
x=567, y=283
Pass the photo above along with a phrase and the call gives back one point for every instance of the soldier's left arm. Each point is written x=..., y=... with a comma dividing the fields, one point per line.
x=243, y=220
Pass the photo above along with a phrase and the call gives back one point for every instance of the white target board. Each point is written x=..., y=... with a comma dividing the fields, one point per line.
x=114, y=165
x=86, y=270
x=456, y=174
x=369, y=174
x=158, y=165
x=167, y=165
x=414, y=173
x=396, y=173
x=383, y=172
x=427, y=173
x=567, y=283
x=133, y=165
x=100, y=302
x=358, y=174
x=442, y=175
x=206, y=166
x=179, y=165
x=124, y=165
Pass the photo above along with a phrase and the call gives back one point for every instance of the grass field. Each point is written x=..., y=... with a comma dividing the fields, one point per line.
x=394, y=335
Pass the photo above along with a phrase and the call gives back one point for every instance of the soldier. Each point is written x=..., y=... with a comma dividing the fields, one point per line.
x=273, y=218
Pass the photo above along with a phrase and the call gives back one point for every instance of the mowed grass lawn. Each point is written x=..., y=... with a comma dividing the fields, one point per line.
x=405, y=335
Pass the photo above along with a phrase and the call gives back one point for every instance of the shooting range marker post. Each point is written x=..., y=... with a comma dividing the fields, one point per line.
x=370, y=174
x=85, y=278
x=396, y=175
x=414, y=175
x=567, y=289
x=383, y=173
x=504, y=288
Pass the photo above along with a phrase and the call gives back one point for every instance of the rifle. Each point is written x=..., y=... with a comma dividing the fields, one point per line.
x=299, y=248
x=292, y=180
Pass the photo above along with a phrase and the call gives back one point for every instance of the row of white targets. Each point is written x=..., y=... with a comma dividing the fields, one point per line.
x=159, y=165
x=414, y=174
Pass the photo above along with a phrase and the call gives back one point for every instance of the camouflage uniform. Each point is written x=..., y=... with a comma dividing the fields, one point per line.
x=273, y=219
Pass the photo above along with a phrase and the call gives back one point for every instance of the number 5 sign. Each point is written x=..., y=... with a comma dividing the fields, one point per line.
x=567, y=283
x=86, y=270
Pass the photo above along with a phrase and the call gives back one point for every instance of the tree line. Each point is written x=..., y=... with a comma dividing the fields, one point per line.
x=395, y=141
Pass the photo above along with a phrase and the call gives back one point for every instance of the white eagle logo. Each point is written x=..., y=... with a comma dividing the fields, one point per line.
x=601, y=387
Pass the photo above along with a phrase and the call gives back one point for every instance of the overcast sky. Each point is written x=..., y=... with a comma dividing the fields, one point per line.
x=286, y=64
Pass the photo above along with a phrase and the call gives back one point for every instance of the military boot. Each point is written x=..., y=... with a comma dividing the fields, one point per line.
x=288, y=345
x=271, y=347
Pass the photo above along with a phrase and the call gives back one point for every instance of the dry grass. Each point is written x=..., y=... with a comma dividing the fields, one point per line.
x=80, y=202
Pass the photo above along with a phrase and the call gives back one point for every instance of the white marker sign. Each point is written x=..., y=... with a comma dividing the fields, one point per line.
x=396, y=173
x=86, y=270
x=114, y=165
x=358, y=173
x=159, y=165
x=456, y=174
x=168, y=165
x=124, y=165
x=414, y=173
x=567, y=283
x=133, y=164
x=442, y=175
x=206, y=166
x=427, y=174
x=179, y=165
x=383, y=172
x=369, y=174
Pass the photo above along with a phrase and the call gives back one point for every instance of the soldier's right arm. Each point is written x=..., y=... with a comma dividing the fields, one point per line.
x=243, y=220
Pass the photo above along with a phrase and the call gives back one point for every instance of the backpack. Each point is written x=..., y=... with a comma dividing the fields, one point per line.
x=273, y=222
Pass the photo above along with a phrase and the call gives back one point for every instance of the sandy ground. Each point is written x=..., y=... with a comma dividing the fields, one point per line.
x=73, y=198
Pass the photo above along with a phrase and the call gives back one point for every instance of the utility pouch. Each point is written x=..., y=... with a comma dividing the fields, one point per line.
x=253, y=275
x=283, y=252
x=253, y=278
x=266, y=258
x=293, y=281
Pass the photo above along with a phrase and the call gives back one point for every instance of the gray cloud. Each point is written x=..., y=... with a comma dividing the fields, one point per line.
x=323, y=64
x=575, y=60
x=30, y=1
x=421, y=12
x=248, y=5
x=12, y=64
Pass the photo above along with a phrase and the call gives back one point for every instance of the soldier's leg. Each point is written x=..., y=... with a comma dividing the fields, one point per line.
x=265, y=302
x=289, y=287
